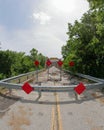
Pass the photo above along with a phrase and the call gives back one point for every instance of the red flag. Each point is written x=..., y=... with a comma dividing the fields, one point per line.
x=71, y=63
x=36, y=63
x=80, y=88
x=27, y=88
x=48, y=62
x=60, y=63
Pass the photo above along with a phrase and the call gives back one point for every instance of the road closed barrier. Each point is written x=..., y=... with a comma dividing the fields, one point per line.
x=77, y=89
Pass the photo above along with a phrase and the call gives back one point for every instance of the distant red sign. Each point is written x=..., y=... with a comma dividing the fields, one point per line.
x=80, y=88
x=27, y=88
x=71, y=63
x=48, y=62
x=36, y=63
x=60, y=63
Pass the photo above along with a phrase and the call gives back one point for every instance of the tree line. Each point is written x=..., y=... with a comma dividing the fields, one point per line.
x=13, y=63
x=85, y=44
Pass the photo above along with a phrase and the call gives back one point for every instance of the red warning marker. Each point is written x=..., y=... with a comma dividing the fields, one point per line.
x=36, y=63
x=27, y=88
x=80, y=88
x=71, y=63
x=48, y=62
x=60, y=63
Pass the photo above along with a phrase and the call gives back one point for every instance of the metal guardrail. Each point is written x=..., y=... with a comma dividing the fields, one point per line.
x=21, y=75
x=51, y=88
x=99, y=83
x=86, y=76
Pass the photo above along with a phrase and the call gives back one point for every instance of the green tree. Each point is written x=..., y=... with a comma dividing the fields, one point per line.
x=96, y=3
x=34, y=54
x=85, y=44
x=13, y=63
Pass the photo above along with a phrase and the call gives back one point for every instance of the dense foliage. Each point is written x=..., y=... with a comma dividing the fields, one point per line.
x=14, y=63
x=85, y=45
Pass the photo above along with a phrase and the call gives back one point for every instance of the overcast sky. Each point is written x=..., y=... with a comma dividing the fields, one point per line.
x=40, y=24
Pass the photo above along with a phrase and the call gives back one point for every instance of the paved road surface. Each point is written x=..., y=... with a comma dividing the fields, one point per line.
x=54, y=111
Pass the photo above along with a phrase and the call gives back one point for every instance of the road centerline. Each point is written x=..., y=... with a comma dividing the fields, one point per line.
x=56, y=119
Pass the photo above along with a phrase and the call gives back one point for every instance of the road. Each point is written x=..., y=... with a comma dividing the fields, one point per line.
x=53, y=111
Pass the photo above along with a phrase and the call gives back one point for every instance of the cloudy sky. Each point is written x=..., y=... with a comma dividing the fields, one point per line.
x=40, y=24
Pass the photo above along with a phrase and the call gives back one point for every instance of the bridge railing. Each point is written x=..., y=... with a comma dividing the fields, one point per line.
x=98, y=83
x=86, y=76
x=26, y=76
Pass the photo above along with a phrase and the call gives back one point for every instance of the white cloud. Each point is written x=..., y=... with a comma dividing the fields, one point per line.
x=64, y=5
x=51, y=36
x=24, y=40
x=42, y=17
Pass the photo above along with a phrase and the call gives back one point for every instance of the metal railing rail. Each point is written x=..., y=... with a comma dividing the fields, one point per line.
x=99, y=83
x=52, y=88
x=90, y=77
x=86, y=76
x=21, y=75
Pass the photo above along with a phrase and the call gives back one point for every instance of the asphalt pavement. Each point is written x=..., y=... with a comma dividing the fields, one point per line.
x=54, y=111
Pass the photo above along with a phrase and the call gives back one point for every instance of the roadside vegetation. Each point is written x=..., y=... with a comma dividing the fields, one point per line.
x=13, y=63
x=85, y=44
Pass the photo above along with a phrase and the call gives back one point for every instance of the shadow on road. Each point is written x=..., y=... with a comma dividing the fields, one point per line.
x=6, y=101
x=47, y=102
x=13, y=99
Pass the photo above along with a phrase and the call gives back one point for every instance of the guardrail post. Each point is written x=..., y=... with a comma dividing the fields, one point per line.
x=32, y=75
x=48, y=74
x=19, y=80
x=76, y=95
x=27, y=77
x=60, y=74
x=40, y=94
x=10, y=91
